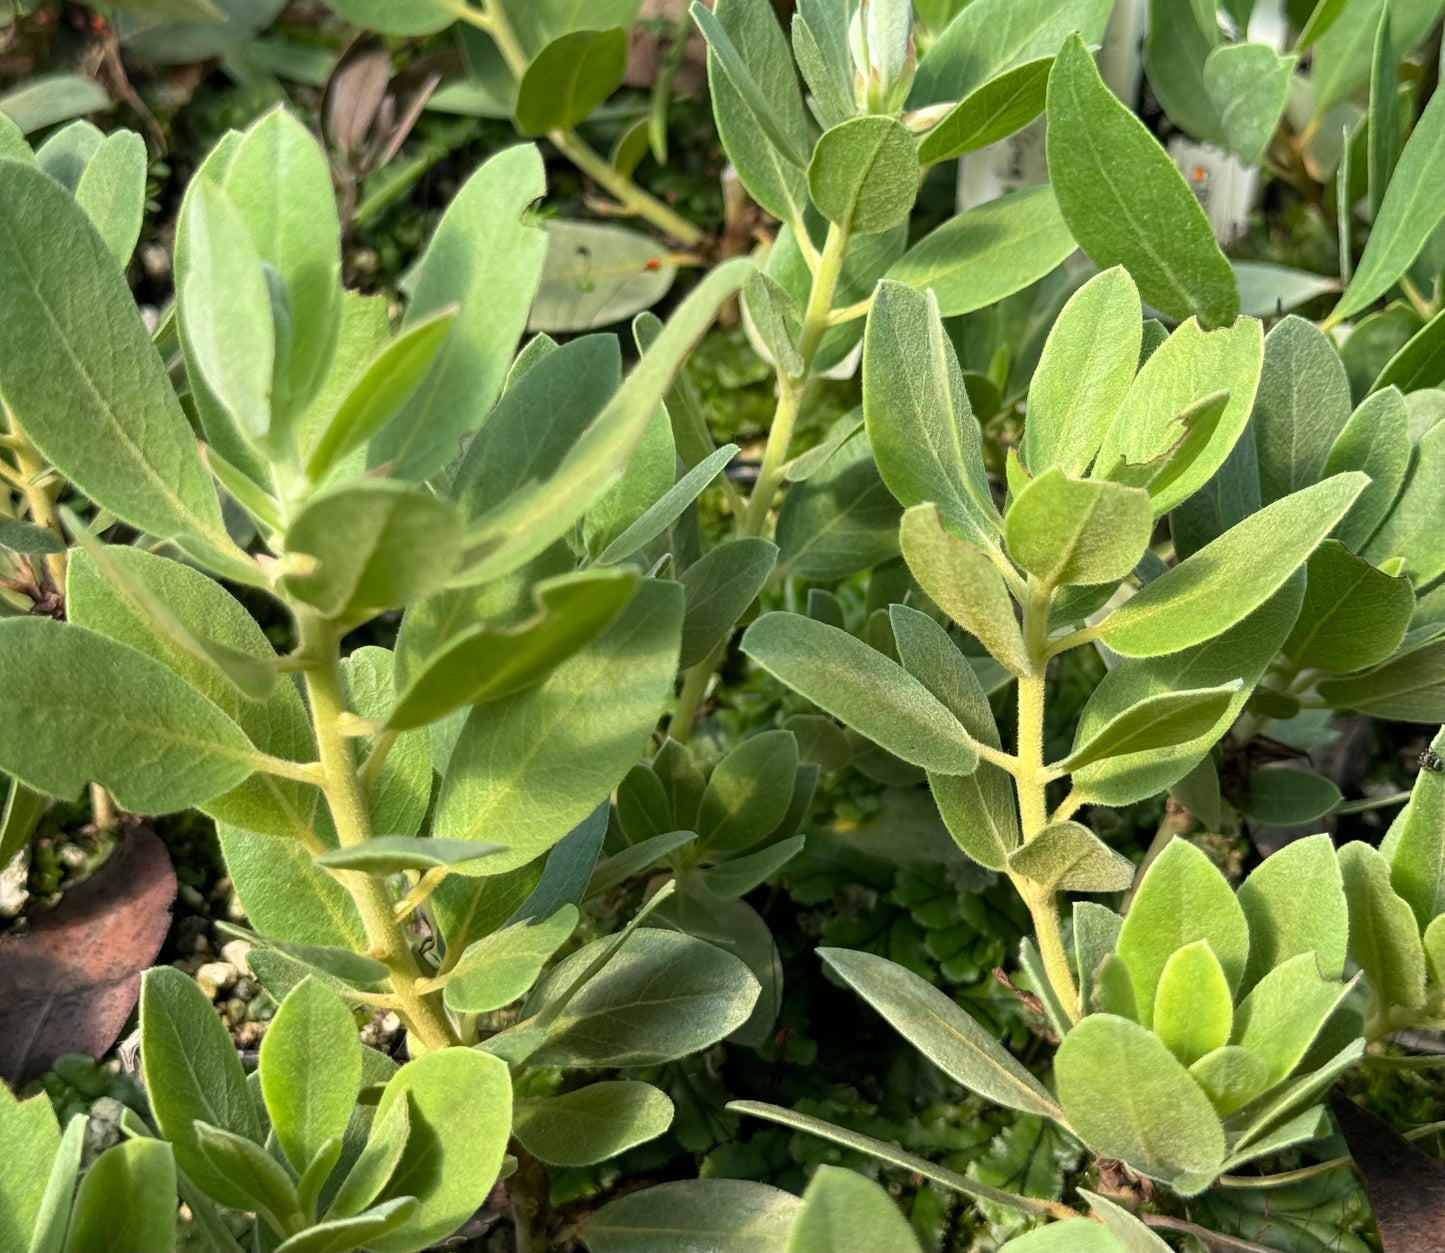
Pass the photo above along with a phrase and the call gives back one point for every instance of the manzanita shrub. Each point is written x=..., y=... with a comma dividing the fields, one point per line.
x=424, y=615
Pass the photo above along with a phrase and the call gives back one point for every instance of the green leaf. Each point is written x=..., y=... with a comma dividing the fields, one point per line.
x=376, y=545
x=1284, y=797
x=79, y=707
x=843, y=519
x=663, y=996
x=925, y=438
x=192, y=1073
x=1284, y=1013
x=224, y=307
x=864, y=174
x=748, y=792
x=842, y=1209
x=387, y=382
x=1375, y=440
x=1069, y=1235
x=1294, y=901
x=1420, y=363
x=27, y=538
x=592, y=1124
x=1188, y=369
x=1231, y=1077
x=54, y=1212
x=1193, y=1006
x=669, y=507
x=531, y=519
x=740, y=875
x=310, y=1070
x=1384, y=936
x=998, y=35
x=720, y=586
x=1075, y=531
x=636, y=857
x=690, y=1215
x=112, y=191
x=891, y=1154
x=965, y=584
x=1125, y=201
x=387, y=17
x=1409, y=687
x=1228, y=578
x=1412, y=208
x=935, y=1025
x=1248, y=85
x=481, y=663
x=1155, y=723
x=1383, y=130
x=82, y=377
x=570, y=385
x=392, y=854
x=1434, y=944
x=978, y=808
x=255, y=1179
x=759, y=110
x=125, y=593
x=1068, y=856
x=485, y=258
x=1302, y=406
x=519, y=774
x=569, y=78
x=31, y=1140
x=650, y=473
x=988, y=252
x=279, y=180
x=341, y=968
x=127, y=1201
x=461, y=1115
x=1085, y=371
x=991, y=112
x=1322, y=16
x=361, y=1231
x=1409, y=529
x=1127, y=1096
x=1241, y=653
x=50, y=98
x=863, y=688
x=1182, y=898
x=386, y=1140
x=501, y=967
x=1417, y=858
x=1354, y=615
x=285, y=896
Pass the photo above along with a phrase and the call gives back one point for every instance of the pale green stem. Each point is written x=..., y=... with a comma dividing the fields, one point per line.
x=1031, y=783
x=491, y=19
x=39, y=496
x=790, y=390
x=342, y=787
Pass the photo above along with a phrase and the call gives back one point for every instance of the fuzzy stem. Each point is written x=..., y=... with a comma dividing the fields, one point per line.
x=753, y=520
x=341, y=785
x=1031, y=783
x=38, y=497
x=790, y=390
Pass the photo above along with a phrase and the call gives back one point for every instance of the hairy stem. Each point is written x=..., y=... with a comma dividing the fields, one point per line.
x=1031, y=783
x=39, y=497
x=341, y=785
x=790, y=390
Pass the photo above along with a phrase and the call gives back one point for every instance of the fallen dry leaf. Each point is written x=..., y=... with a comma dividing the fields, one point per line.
x=1406, y=1186
x=70, y=982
